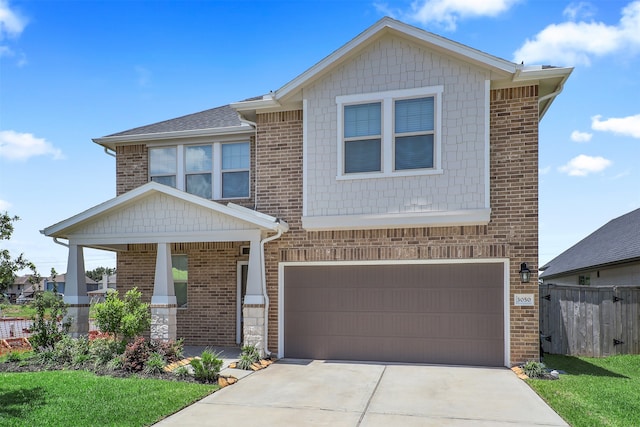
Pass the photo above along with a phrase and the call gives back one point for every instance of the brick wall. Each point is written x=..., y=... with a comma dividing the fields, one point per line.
x=210, y=318
x=512, y=232
x=131, y=167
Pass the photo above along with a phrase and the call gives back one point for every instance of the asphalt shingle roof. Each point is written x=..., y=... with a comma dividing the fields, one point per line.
x=616, y=241
x=218, y=117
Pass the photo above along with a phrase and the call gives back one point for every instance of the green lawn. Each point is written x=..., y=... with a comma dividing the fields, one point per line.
x=17, y=310
x=79, y=398
x=594, y=392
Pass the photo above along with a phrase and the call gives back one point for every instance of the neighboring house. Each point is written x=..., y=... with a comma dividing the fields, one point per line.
x=21, y=284
x=377, y=207
x=108, y=283
x=610, y=256
x=60, y=282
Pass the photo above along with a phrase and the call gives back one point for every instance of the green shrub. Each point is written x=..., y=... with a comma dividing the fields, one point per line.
x=248, y=356
x=155, y=364
x=123, y=318
x=207, y=367
x=102, y=350
x=48, y=330
x=181, y=371
x=534, y=369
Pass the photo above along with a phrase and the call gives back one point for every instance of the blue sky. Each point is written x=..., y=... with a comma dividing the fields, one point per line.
x=75, y=70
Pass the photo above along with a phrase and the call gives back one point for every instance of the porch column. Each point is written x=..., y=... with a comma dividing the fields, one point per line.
x=75, y=292
x=163, y=302
x=254, y=300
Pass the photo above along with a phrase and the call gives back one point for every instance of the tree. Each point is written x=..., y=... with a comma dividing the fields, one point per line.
x=96, y=273
x=9, y=267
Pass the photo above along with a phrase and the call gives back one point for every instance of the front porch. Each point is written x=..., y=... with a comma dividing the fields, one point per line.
x=152, y=225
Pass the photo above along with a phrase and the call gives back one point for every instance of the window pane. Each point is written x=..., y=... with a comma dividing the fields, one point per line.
x=162, y=161
x=200, y=185
x=414, y=152
x=235, y=184
x=414, y=115
x=180, y=271
x=362, y=120
x=362, y=156
x=181, y=294
x=198, y=159
x=180, y=278
x=235, y=156
x=166, y=180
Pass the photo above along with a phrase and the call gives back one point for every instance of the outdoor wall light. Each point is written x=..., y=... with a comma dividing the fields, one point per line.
x=525, y=273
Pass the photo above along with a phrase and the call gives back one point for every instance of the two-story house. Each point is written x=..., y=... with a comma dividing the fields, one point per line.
x=379, y=206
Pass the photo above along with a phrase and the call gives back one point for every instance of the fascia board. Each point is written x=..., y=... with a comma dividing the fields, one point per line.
x=110, y=141
x=386, y=23
x=256, y=104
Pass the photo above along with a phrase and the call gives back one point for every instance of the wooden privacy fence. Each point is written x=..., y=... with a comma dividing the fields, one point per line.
x=585, y=321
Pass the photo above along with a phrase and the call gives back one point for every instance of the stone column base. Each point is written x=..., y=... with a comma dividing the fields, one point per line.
x=164, y=323
x=253, y=326
x=78, y=315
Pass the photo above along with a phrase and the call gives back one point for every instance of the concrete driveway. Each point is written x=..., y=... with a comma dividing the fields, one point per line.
x=324, y=393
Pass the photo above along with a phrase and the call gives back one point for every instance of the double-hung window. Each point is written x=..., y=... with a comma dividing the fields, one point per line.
x=163, y=165
x=213, y=171
x=389, y=133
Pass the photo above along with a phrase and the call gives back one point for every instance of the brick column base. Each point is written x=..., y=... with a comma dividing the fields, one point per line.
x=164, y=325
x=78, y=314
x=253, y=326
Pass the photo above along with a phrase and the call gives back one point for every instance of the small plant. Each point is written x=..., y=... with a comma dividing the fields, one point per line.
x=171, y=351
x=136, y=355
x=102, y=350
x=155, y=364
x=248, y=357
x=534, y=369
x=181, y=371
x=115, y=364
x=49, y=330
x=207, y=367
x=123, y=318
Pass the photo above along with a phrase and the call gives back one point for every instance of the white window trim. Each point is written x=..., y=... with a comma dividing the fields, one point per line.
x=216, y=170
x=387, y=99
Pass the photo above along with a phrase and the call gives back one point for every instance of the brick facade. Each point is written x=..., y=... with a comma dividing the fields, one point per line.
x=512, y=232
x=277, y=186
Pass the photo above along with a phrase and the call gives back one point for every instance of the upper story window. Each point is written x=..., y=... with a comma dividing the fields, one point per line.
x=389, y=133
x=212, y=171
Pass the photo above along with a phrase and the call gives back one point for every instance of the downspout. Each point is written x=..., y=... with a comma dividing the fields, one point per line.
x=264, y=289
x=551, y=95
x=55, y=240
x=106, y=150
x=254, y=125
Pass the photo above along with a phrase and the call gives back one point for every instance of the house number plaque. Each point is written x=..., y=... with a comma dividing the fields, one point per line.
x=523, y=300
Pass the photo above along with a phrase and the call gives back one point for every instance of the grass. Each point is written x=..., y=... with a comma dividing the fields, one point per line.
x=594, y=392
x=79, y=398
x=17, y=310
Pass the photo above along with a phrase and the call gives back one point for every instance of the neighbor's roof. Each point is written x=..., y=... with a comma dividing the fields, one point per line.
x=616, y=242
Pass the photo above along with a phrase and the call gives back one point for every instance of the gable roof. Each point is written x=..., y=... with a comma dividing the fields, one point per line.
x=617, y=241
x=550, y=79
x=66, y=228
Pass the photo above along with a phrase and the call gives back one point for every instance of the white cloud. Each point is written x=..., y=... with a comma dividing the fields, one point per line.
x=577, y=43
x=446, y=13
x=577, y=136
x=579, y=10
x=21, y=146
x=11, y=26
x=583, y=165
x=4, y=205
x=627, y=126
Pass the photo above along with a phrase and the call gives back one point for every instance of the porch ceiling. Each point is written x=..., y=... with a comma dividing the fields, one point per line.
x=155, y=213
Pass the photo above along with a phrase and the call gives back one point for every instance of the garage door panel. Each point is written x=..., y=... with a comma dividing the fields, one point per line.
x=448, y=313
